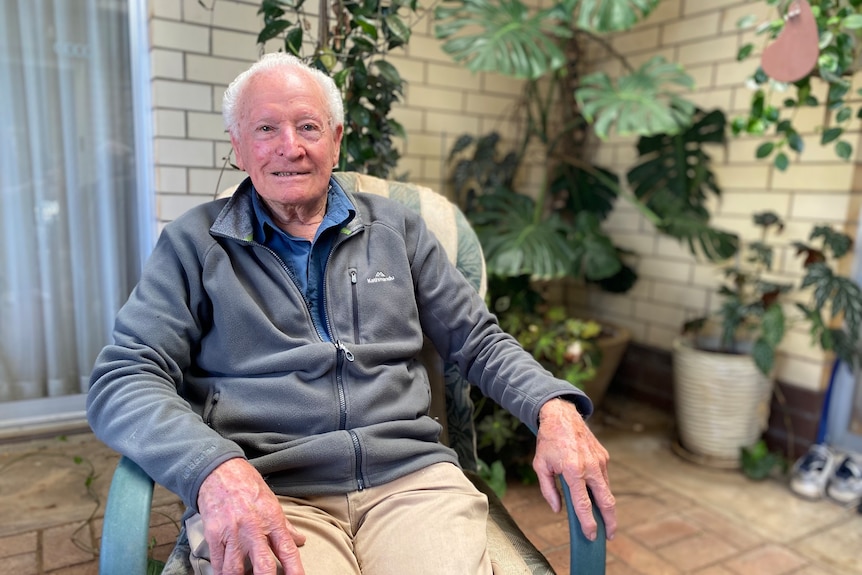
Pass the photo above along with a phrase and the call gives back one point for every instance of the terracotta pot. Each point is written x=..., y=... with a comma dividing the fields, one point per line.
x=613, y=345
x=721, y=402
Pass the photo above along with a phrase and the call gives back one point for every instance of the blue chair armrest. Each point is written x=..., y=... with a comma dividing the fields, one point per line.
x=585, y=556
x=126, y=527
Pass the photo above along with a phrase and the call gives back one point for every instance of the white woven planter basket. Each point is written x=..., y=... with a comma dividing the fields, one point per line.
x=721, y=401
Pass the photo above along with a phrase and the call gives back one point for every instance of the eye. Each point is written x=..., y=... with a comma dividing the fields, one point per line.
x=265, y=128
x=308, y=127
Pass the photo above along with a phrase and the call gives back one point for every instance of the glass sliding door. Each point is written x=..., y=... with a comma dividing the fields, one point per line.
x=72, y=231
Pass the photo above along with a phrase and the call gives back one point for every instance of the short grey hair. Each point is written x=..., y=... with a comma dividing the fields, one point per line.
x=289, y=64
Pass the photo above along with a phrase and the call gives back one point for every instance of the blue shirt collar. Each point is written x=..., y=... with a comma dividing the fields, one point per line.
x=339, y=211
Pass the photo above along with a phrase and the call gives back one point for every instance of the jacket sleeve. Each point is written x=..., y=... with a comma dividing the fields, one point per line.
x=466, y=333
x=133, y=404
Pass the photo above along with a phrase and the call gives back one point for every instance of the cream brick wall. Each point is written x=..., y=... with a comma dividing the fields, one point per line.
x=195, y=52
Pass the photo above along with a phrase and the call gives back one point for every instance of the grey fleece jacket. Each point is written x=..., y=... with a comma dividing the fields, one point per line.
x=216, y=356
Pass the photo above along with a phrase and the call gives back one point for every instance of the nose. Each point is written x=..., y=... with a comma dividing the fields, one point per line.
x=289, y=143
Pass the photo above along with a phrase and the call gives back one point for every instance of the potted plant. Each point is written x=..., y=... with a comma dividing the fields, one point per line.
x=724, y=362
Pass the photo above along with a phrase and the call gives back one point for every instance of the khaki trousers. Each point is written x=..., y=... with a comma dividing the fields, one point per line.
x=431, y=522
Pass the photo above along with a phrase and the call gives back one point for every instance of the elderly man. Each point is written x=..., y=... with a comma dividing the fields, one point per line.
x=257, y=374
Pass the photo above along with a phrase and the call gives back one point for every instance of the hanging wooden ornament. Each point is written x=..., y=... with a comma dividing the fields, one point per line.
x=794, y=53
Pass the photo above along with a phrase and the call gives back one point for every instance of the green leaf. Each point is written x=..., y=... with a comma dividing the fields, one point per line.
x=272, y=30
x=773, y=325
x=398, y=28
x=293, y=40
x=388, y=71
x=843, y=114
x=674, y=180
x=503, y=37
x=746, y=21
x=595, y=257
x=781, y=161
x=830, y=135
x=764, y=149
x=844, y=150
x=852, y=22
x=643, y=103
x=613, y=15
x=796, y=143
x=744, y=52
x=516, y=244
x=763, y=355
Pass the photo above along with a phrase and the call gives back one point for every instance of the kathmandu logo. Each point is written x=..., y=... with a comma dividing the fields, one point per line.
x=380, y=277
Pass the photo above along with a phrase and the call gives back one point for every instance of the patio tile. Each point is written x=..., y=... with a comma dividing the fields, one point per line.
x=664, y=530
x=639, y=557
x=770, y=559
x=714, y=570
x=837, y=547
x=22, y=564
x=17, y=544
x=66, y=545
x=697, y=552
x=736, y=533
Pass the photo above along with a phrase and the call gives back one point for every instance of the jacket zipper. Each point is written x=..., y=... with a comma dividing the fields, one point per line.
x=208, y=412
x=346, y=354
x=289, y=273
x=355, y=299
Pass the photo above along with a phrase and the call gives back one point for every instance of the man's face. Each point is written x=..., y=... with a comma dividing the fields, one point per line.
x=283, y=138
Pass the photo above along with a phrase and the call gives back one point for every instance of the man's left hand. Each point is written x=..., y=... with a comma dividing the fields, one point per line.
x=565, y=446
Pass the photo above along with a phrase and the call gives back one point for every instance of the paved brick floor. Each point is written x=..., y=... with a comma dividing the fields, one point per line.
x=674, y=517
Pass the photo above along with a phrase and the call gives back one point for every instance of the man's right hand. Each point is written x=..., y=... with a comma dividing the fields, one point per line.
x=243, y=518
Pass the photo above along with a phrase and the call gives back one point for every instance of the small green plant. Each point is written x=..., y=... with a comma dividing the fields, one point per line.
x=753, y=299
x=758, y=461
x=564, y=345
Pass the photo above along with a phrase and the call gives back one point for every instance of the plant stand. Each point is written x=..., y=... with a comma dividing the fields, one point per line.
x=721, y=402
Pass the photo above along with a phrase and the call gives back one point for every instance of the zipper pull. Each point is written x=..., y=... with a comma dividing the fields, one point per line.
x=348, y=355
x=353, y=277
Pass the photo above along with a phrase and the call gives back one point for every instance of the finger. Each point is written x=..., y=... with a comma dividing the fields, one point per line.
x=606, y=503
x=548, y=487
x=217, y=557
x=285, y=547
x=297, y=536
x=233, y=562
x=583, y=507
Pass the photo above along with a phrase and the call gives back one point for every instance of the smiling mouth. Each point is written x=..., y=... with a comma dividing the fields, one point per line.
x=280, y=174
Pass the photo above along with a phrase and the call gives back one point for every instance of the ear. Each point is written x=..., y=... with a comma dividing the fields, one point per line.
x=336, y=139
x=236, y=153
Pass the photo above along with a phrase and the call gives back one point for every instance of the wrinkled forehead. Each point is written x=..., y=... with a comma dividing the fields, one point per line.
x=283, y=87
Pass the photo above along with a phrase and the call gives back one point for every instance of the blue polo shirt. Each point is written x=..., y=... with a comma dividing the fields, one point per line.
x=306, y=260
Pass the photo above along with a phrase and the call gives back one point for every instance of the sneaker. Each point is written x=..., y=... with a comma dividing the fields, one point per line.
x=812, y=472
x=845, y=485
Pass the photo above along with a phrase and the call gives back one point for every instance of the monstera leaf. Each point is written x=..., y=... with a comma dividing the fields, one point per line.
x=643, y=103
x=673, y=179
x=503, y=36
x=516, y=243
x=612, y=15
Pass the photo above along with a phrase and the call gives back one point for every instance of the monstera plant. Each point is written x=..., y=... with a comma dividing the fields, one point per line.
x=555, y=231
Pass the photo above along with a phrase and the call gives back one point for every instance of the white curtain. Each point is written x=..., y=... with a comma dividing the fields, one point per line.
x=69, y=247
